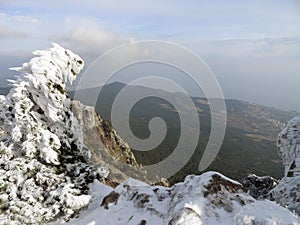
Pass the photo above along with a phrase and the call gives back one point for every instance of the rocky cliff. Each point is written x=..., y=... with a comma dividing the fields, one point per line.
x=287, y=192
x=107, y=147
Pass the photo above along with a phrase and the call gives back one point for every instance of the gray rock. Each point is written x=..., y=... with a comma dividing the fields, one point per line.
x=259, y=187
x=287, y=192
x=107, y=147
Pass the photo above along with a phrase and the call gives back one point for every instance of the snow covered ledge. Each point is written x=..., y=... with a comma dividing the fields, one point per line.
x=209, y=199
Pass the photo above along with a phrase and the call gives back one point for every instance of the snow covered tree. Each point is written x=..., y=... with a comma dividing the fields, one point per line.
x=44, y=169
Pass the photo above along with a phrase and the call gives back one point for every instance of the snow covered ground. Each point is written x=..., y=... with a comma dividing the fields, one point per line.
x=209, y=199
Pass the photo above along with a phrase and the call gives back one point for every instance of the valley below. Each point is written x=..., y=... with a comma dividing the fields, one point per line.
x=249, y=146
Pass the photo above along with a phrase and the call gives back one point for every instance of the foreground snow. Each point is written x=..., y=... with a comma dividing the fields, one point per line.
x=210, y=199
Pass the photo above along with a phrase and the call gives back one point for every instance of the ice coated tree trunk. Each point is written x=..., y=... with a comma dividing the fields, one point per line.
x=44, y=171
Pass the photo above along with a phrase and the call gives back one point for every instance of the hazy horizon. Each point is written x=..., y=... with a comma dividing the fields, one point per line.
x=253, y=48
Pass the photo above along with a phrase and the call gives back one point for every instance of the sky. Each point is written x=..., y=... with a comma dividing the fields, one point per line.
x=253, y=47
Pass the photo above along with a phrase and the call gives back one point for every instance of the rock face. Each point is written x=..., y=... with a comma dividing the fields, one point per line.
x=289, y=147
x=287, y=192
x=106, y=146
x=259, y=187
x=209, y=199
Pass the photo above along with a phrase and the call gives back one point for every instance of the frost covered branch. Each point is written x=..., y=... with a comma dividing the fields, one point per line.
x=44, y=170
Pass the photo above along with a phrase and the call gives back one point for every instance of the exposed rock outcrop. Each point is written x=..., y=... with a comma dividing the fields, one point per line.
x=259, y=187
x=106, y=146
x=289, y=147
x=287, y=192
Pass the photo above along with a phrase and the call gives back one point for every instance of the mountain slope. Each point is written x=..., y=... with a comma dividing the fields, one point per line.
x=209, y=199
x=249, y=144
x=107, y=147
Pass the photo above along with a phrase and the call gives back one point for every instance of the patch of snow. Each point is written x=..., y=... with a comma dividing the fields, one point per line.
x=265, y=213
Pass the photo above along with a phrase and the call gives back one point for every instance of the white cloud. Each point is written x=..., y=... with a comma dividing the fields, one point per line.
x=24, y=19
x=249, y=48
x=92, y=42
x=2, y=2
x=11, y=33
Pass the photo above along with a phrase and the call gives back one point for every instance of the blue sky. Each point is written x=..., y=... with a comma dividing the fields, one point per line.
x=253, y=47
